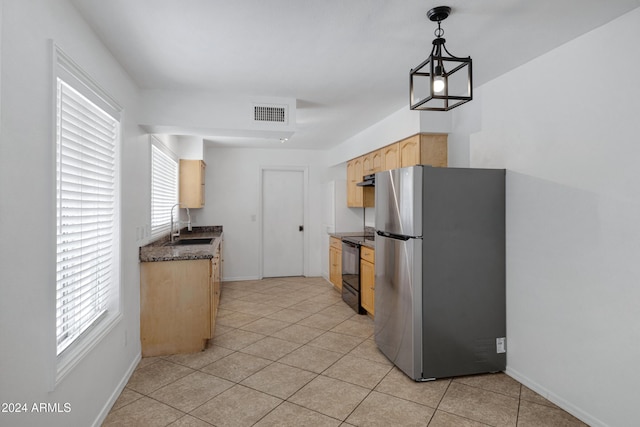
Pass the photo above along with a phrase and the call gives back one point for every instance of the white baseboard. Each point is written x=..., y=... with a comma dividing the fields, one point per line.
x=240, y=278
x=116, y=393
x=579, y=413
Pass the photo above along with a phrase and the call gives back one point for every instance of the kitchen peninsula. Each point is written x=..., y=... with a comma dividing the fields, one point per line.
x=180, y=291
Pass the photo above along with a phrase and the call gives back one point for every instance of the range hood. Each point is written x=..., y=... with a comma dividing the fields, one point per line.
x=368, y=181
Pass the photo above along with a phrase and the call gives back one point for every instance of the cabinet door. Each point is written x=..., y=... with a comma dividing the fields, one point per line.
x=335, y=267
x=203, y=170
x=354, y=176
x=214, y=291
x=217, y=278
x=376, y=161
x=433, y=150
x=367, y=164
x=367, y=286
x=358, y=174
x=351, y=180
x=410, y=151
x=390, y=157
x=174, y=306
x=192, y=181
x=212, y=299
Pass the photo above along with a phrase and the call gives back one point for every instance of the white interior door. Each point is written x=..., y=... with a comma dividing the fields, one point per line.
x=282, y=223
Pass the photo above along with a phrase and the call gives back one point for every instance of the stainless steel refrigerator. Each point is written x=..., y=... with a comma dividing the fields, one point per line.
x=440, y=301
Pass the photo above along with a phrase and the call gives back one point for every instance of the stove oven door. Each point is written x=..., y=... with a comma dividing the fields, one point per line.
x=351, y=265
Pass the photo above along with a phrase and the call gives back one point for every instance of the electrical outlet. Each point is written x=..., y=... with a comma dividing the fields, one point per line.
x=500, y=345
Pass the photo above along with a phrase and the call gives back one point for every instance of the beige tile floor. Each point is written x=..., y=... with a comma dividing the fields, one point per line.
x=289, y=352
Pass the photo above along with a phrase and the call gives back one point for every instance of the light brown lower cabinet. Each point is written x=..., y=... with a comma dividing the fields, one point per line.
x=216, y=269
x=178, y=305
x=367, y=279
x=335, y=262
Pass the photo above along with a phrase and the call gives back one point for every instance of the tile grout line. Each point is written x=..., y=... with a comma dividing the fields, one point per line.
x=464, y=417
x=321, y=373
x=235, y=383
x=271, y=362
x=368, y=394
x=439, y=402
x=484, y=389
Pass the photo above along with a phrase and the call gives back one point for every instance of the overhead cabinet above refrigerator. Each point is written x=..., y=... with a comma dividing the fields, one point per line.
x=423, y=148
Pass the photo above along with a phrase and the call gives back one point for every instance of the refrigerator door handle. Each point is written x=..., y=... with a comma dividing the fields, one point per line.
x=393, y=236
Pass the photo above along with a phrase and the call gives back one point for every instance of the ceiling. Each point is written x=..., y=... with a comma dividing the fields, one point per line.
x=345, y=62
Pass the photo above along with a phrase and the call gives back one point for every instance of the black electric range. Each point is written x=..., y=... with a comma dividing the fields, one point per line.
x=351, y=270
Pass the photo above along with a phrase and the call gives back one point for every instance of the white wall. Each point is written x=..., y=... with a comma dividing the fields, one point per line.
x=566, y=126
x=27, y=218
x=399, y=125
x=233, y=197
x=191, y=147
x=209, y=113
x=572, y=213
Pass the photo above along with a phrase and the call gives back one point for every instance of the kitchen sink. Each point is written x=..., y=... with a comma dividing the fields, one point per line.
x=183, y=242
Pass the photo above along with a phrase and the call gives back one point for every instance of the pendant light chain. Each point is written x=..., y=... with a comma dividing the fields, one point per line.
x=438, y=32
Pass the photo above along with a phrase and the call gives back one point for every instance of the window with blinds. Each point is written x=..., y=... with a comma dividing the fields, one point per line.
x=86, y=138
x=164, y=191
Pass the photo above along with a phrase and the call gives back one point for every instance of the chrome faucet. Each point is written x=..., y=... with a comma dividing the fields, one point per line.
x=176, y=233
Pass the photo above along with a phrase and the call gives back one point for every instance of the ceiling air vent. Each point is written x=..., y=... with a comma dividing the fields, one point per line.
x=270, y=113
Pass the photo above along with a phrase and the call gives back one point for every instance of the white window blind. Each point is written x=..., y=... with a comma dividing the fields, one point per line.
x=164, y=191
x=86, y=213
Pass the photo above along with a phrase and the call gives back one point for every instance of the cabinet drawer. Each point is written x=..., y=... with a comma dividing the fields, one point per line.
x=367, y=254
x=336, y=243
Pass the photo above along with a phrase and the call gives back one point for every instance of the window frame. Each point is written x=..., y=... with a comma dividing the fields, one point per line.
x=67, y=70
x=165, y=229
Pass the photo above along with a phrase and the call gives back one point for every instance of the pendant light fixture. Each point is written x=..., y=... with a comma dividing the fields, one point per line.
x=442, y=81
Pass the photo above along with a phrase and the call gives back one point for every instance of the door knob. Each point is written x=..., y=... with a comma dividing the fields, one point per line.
x=301, y=228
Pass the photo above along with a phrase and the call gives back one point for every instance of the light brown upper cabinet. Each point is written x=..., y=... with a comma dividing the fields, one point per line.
x=367, y=166
x=354, y=193
x=358, y=197
x=419, y=149
x=377, y=161
x=424, y=149
x=192, y=173
x=372, y=162
x=391, y=156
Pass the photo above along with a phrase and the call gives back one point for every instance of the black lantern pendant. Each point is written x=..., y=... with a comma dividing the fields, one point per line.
x=442, y=81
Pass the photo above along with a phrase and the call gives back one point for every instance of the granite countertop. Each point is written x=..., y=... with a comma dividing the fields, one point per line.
x=157, y=251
